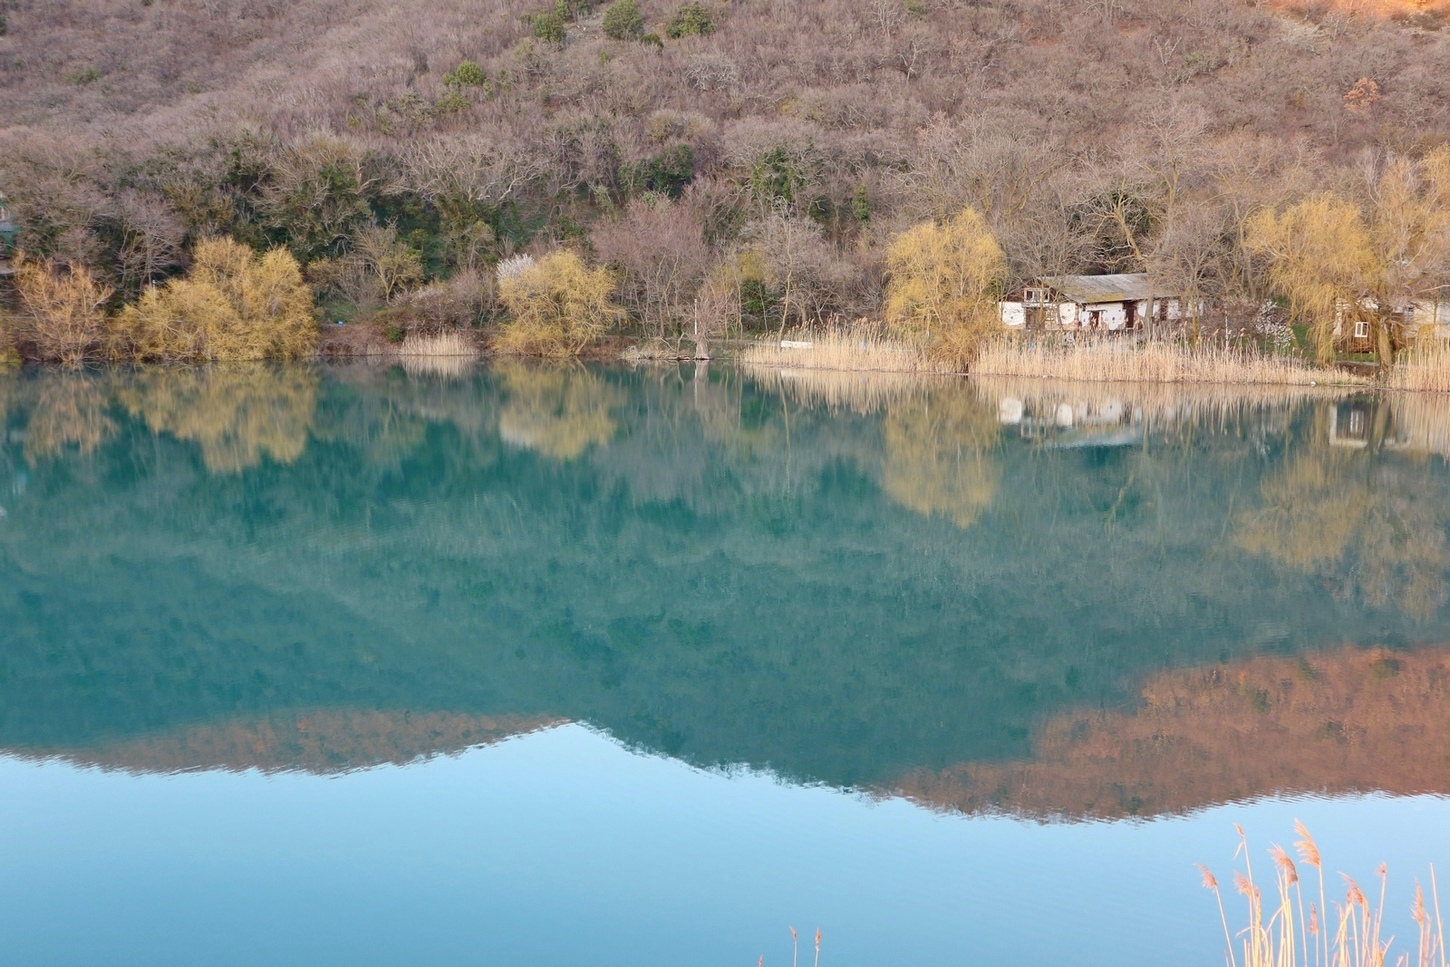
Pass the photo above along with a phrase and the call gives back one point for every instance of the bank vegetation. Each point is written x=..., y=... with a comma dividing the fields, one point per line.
x=552, y=178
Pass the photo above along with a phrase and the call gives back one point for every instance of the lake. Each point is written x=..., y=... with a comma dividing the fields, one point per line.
x=434, y=664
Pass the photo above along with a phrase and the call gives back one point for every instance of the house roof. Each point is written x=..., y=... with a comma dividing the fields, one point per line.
x=1087, y=289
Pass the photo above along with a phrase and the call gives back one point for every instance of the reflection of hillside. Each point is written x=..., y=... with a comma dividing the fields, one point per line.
x=1343, y=722
x=317, y=741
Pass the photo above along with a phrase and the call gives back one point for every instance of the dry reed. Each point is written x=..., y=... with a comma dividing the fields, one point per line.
x=1425, y=368
x=862, y=349
x=1153, y=363
x=1281, y=935
x=439, y=344
x=848, y=349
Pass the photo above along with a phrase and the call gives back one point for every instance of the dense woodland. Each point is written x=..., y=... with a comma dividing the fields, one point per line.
x=743, y=162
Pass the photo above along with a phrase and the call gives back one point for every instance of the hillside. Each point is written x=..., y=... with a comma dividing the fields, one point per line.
x=768, y=141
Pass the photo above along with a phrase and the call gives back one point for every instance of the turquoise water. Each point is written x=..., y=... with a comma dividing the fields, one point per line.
x=431, y=665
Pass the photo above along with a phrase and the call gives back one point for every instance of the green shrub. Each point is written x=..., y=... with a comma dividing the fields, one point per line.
x=467, y=74
x=861, y=205
x=667, y=172
x=451, y=103
x=622, y=21
x=549, y=27
x=689, y=20
x=653, y=38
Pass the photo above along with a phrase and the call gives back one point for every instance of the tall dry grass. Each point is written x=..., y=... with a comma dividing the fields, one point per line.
x=449, y=355
x=1153, y=363
x=846, y=349
x=1425, y=368
x=865, y=350
x=1281, y=934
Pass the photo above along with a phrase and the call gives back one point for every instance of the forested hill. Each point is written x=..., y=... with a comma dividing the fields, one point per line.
x=806, y=131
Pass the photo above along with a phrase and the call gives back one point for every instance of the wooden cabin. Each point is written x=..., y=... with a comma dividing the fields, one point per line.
x=1088, y=303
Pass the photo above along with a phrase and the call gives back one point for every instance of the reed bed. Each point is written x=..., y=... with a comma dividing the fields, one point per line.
x=1425, y=368
x=438, y=344
x=1154, y=363
x=852, y=349
x=449, y=355
x=1280, y=932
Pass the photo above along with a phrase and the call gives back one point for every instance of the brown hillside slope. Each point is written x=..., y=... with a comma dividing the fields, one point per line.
x=1344, y=722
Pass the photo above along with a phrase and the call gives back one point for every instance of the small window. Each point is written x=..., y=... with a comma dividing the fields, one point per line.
x=1361, y=330
x=1356, y=422
x=1036, y=297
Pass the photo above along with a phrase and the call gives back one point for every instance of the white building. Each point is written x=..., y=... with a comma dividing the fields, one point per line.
x=1101, y=303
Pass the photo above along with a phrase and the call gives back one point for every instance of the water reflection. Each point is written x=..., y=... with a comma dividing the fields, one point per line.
x=237, y=415
x=1060, y=600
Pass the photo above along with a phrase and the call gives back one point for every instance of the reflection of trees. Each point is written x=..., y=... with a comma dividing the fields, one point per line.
x=938, y=459
x=1340, y=514
x=70, y=411
x=238, y=414
x=559, y=412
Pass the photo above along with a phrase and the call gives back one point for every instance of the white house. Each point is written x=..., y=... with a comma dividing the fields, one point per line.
x=1101, y=303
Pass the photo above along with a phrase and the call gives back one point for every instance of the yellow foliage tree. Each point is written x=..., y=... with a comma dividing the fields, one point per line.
x=64, y=317
x=944, y=281
x=1321, y=260
x=234, y=305
x=558, y=306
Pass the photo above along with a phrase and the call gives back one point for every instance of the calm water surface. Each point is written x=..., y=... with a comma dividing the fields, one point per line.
x=433, y=665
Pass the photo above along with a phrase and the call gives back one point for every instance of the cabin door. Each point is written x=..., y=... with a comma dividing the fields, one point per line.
x=1130, y=309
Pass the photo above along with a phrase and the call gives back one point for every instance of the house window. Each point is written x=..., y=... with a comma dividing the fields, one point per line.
x=1036, y=297
x=1361, y=330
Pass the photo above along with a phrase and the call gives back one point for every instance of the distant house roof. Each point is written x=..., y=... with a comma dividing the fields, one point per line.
x=1087, y=289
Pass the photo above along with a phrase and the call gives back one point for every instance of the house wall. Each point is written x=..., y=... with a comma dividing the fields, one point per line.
x=1072, y=316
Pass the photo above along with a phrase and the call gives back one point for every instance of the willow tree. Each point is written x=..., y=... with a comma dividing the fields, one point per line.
x=1320, y=260
x=557, y=306
x=1409, y=212
x=944, y=281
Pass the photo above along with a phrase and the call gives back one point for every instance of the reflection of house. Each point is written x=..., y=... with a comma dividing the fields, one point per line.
x=1107, y=422
x=1104, y=303
x=1349, y=423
